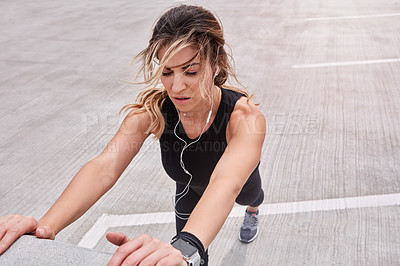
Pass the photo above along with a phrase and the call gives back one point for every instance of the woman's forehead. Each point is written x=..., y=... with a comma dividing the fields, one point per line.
x=184, y=57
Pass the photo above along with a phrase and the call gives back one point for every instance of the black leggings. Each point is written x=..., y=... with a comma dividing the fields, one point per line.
x=251, y=194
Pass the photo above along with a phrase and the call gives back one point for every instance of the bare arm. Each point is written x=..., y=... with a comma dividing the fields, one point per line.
x=96, y=177
x=92, y=181
x=246, y=133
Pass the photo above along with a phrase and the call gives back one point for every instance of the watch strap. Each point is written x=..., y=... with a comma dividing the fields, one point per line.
x=194, y=241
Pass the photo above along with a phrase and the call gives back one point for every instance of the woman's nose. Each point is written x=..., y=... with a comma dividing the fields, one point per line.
x=178, y=83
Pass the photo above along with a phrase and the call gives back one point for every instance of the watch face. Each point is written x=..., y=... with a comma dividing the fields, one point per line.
x=186, y=249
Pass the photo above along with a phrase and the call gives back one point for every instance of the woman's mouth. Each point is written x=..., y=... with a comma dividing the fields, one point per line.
x=181, y=99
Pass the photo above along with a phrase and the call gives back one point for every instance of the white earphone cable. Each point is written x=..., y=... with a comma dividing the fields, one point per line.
x=186, y=189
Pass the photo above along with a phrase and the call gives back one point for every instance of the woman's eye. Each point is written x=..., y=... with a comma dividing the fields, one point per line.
x=186, y=73
x=191, y=73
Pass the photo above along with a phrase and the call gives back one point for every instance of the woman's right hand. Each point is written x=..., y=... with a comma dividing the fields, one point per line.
x=14, y=226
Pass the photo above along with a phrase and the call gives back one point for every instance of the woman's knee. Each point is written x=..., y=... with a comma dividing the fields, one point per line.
x=249, y=199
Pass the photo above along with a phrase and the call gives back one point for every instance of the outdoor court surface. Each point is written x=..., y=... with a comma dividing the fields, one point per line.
x=326, y=74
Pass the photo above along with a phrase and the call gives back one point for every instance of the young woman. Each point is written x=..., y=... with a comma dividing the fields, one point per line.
x=210, y=136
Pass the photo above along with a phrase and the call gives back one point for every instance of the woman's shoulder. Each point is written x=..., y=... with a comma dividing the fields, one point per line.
x=246, y=116
x=241, y=106
x=137, y=120
x=245, y=108
x=241, y=103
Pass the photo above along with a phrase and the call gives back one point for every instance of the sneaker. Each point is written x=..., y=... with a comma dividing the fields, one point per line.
x=249, y=230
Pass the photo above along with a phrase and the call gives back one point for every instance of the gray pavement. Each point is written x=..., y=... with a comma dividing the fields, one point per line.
x=333, y=126
x=28, y=250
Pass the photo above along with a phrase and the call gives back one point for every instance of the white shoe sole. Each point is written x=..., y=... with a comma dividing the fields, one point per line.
x=250, y=240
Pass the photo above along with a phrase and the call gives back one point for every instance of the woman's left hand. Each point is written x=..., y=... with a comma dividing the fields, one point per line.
x=143, y=250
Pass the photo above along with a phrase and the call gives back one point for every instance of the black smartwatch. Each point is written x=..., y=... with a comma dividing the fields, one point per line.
x=189, y=252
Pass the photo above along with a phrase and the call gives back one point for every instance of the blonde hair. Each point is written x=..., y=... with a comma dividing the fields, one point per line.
x=176, y=29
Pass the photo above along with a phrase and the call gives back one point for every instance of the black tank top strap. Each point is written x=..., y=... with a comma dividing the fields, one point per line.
x=217, y=130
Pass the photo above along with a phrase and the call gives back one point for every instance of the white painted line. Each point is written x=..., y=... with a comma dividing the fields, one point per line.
x=354, y=17
x=93, y=236
x=348, y=63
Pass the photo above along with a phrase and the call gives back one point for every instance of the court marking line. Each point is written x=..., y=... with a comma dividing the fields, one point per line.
x=94, y=235
x=348, y=63
x=353, y=17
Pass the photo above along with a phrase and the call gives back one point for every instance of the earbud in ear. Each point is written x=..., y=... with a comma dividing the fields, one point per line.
x=216, y=71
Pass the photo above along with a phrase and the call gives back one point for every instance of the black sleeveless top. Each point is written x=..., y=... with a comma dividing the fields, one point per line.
x=201, y=157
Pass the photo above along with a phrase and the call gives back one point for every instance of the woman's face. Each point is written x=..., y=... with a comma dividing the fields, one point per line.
x=180, y=78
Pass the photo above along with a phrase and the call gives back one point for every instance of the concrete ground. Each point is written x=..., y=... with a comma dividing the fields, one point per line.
x=29, y=250
x=326, y=75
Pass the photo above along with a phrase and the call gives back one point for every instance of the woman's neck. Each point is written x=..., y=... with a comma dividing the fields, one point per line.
x=198, y=116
